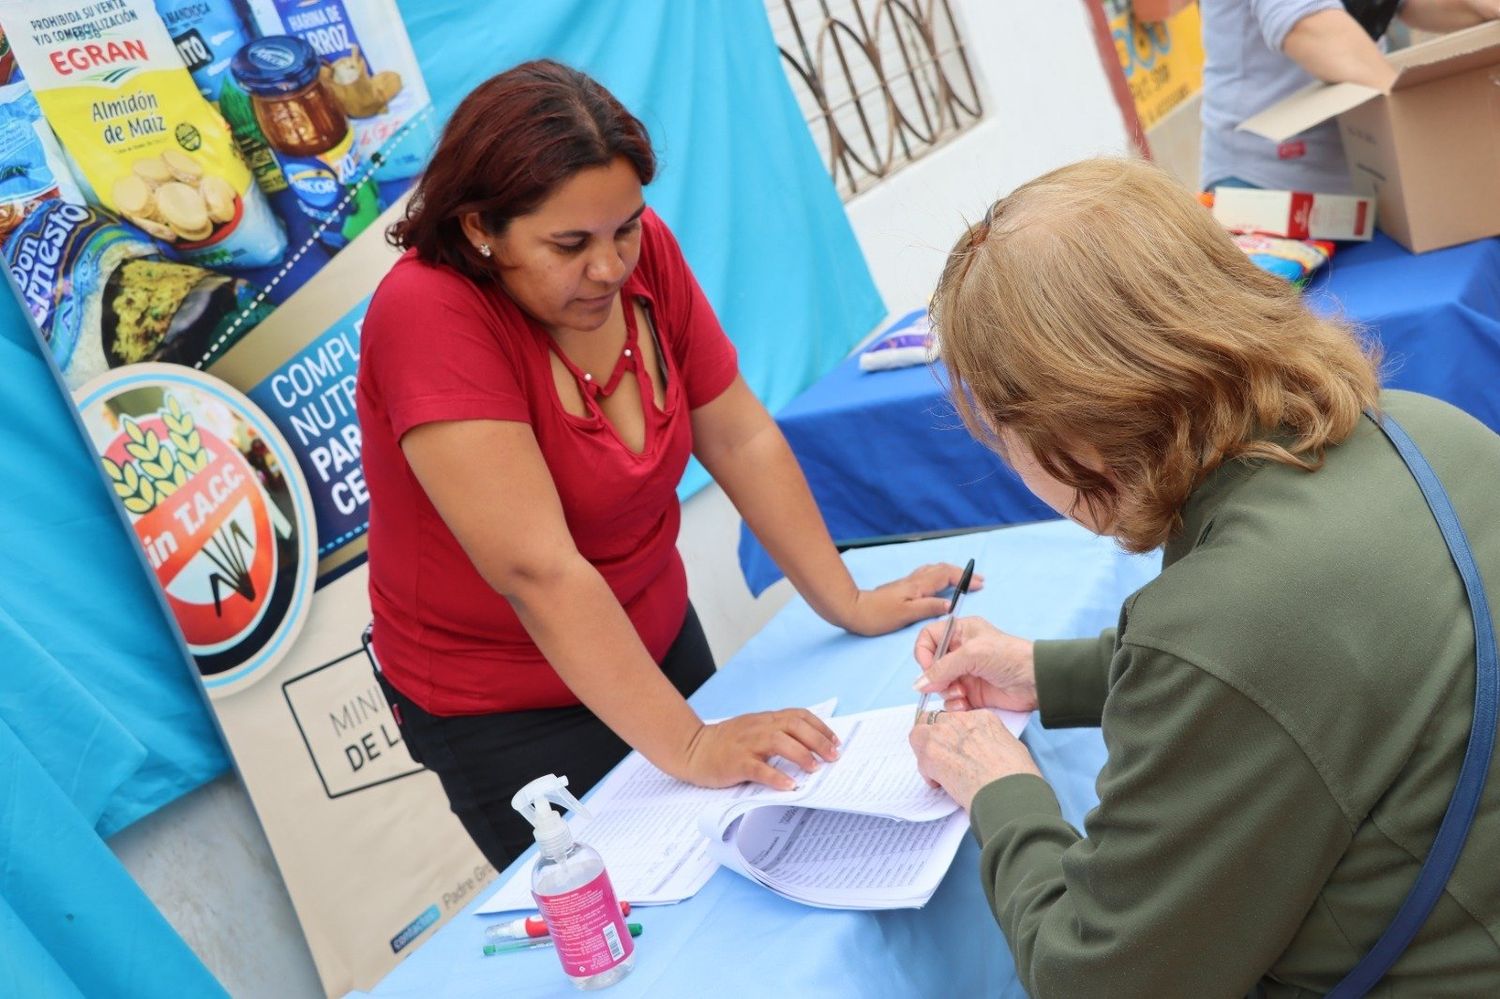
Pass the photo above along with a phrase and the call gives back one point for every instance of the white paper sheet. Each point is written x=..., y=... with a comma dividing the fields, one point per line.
x=876, y=774
x=862, y=832
x=645, y=826
x=846, y=860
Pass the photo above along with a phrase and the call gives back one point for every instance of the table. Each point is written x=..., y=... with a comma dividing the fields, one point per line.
x=887, y=457
x=735, y=938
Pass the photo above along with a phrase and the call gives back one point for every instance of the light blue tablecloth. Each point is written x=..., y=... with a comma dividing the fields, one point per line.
x=734, y=938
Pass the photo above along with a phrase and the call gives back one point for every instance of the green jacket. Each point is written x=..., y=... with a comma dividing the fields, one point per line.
x=1284, y=708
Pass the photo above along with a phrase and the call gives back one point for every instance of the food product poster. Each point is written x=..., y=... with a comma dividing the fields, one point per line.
x=1162, y=60
x=193, y=198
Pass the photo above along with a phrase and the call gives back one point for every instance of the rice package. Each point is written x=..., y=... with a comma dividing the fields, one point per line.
x=120, y=99
x=905, y=342
x=1296, y=260
x=103, y=296
x=371, y=70
x=32, y=169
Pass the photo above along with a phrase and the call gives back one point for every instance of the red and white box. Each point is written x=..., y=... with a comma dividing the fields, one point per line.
x=1295, y=214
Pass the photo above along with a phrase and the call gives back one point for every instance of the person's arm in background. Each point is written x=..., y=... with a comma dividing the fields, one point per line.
x=526, y=553
x=1328, y=44
x=1448, y=15
x=746, y=454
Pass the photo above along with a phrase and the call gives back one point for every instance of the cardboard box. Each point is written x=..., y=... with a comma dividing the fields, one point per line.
x=1295, y=214
x=1427, y=148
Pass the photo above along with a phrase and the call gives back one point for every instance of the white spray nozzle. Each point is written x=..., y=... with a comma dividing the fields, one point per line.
x=531, y=801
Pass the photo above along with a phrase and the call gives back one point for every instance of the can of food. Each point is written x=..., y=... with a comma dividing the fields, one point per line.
x=310, y=134
x=207, y=34
x=372, y=71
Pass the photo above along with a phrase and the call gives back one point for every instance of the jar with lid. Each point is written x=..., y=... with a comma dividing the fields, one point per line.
x=310, y=135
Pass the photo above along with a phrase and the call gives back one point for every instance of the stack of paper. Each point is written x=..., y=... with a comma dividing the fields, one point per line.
x=645, y=826
x=863, y=832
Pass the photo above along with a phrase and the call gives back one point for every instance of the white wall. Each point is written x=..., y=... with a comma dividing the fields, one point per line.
x=203, y=859
x=1047, y=102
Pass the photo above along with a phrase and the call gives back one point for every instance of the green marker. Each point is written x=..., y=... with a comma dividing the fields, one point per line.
x=505, y=948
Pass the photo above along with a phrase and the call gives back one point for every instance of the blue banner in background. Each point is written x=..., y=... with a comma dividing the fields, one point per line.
x=310, y=398
x=739, y=181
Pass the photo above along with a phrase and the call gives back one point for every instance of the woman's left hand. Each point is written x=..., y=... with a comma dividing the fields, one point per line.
x=904, y=601
x=962, y=751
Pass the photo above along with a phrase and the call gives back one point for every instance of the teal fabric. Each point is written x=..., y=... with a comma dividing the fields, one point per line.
x=88, y=651
x=72, y=922
x=101, y=721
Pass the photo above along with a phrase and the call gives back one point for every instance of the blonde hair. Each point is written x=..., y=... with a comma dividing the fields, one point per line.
x=1100, y=310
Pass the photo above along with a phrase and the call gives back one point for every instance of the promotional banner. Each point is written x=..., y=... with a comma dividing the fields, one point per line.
x=193, y=197
x=223, y=215
x=1162, y=60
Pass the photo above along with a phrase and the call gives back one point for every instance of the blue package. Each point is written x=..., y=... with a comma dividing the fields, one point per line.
x=1294, y=260
x=32, y=168
x=61, y=257
x=905, y=342
x=207, y=34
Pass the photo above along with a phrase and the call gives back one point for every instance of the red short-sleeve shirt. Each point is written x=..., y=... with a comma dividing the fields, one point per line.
x=436, y=346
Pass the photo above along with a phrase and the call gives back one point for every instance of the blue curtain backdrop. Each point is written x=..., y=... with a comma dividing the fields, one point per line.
x=740, y=181
x=100, y=720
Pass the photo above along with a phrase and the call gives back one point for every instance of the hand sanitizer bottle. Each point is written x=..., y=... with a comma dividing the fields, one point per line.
x=573, y=891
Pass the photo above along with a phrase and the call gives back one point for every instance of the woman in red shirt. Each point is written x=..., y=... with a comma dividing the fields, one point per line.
x=534, y=373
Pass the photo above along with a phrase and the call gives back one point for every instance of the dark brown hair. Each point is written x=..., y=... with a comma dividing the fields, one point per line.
x=1100, y=309
x=509, y=144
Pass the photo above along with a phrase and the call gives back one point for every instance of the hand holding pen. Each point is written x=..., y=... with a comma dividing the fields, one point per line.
x=983, y=667
x=946, y=623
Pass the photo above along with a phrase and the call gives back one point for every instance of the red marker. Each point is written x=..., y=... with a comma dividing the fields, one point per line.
x=531, y=926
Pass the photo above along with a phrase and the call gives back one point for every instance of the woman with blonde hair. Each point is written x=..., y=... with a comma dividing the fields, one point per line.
x=1288, y=706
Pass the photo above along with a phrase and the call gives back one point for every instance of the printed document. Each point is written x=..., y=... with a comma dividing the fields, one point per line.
x=862, y=832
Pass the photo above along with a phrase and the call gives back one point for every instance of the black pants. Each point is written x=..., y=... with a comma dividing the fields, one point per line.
x=483, y=760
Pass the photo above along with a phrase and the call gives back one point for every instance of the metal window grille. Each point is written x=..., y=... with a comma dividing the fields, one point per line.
x=881, y=82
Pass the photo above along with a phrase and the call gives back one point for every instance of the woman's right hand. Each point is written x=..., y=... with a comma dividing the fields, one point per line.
x=733, y=751
x=984, y=667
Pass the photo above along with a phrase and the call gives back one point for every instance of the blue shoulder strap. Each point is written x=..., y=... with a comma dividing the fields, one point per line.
x=1454, y=829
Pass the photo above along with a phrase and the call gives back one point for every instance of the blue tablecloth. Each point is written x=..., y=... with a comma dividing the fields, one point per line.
x=735, y=938
x=886, y=456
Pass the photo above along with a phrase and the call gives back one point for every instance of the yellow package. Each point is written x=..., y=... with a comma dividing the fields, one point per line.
x=114, y=89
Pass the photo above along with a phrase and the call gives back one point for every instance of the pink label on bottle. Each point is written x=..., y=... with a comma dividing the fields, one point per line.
x=587, y=927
